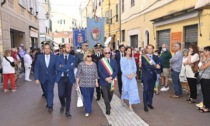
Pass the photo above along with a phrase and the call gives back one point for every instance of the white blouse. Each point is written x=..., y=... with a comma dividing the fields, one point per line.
x=7, y=68
x=189, y=72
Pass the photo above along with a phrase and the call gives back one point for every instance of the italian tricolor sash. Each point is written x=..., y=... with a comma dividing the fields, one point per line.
x=150, y=61
x=110, y=72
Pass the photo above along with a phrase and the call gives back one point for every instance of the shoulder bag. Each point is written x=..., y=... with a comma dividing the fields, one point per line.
x=11, y=63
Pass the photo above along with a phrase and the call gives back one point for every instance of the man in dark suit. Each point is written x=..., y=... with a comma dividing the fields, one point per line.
x=150, y=65
x=108, y=69
x=45, y=73
x=118, y=56
x=65, y=77
x=80, y=55
x=96, y=57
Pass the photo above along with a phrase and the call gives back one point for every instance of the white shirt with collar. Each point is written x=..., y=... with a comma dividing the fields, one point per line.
x=47, y=60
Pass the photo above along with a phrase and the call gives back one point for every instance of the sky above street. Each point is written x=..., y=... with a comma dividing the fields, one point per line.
x=68, y=7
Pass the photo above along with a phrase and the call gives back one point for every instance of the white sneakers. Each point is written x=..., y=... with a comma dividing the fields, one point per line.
x=28, y=80
x=86, y=114
x=164, y=88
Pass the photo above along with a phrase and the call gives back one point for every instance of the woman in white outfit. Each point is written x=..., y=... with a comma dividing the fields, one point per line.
x=27, y=64
x=182, y=76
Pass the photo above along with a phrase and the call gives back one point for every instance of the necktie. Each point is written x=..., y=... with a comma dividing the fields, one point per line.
x=108, y=60
x=65, y=61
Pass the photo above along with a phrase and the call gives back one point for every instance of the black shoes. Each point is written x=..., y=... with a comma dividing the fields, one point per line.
x=68, y=115
x=146, y=109
x=108, y=112
x=50, y=109
x=62, y=109
x=150, y=106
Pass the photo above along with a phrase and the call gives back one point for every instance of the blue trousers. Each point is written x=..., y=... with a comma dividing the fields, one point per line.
x=87, y=93
x=148, y=91
x=64, y=92
x=48, y=88
x=176, y=83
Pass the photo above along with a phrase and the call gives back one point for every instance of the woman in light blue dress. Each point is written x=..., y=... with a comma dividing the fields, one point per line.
x=129, y=88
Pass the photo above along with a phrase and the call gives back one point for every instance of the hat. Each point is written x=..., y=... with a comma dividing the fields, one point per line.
x=44, y=42
x=98, y=45
x=21, y=45
x=61, y=45
x=85, y=43
x=121, y=46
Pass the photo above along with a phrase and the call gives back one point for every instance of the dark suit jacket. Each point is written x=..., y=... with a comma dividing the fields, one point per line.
x=79, y=57
x=41, y=72
x=117, y=58
x=65, y=68
x=104, y=74
x=96, y=58
x=149, y=71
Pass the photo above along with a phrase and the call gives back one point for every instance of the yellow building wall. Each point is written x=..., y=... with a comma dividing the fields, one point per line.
x=111, y=29
x=143, y=22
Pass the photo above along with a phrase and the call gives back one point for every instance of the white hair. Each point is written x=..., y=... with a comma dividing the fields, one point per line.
x=107, y=48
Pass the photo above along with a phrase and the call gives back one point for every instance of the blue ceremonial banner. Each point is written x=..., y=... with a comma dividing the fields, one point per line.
x=95, y=31
x=79, y=37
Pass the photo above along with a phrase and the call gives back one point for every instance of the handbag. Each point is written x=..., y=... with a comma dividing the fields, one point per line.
x=11, y=63
x=195, y=67
x=1, y=70
x=79, y=99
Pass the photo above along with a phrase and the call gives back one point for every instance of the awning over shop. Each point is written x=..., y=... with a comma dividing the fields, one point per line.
x=201, y=4
x=175, y=17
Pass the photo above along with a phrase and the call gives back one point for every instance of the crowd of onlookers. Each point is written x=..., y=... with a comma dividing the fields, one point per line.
x=188, y=70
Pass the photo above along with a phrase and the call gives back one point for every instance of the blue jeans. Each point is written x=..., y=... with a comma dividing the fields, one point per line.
x=176, y=83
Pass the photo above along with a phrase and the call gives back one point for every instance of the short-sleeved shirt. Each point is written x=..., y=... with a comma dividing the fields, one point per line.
x=87, y=74
x=165, y=57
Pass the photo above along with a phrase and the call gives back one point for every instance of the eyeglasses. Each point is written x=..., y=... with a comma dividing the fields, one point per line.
x=89, y=56
x=107, y=53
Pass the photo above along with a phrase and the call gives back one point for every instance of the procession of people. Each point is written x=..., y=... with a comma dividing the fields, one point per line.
x=95, y=70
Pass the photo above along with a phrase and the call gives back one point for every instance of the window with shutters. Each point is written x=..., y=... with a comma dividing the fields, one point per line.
x=123, y=35
x=123, y=6
x=116, y=12
x=132, y=3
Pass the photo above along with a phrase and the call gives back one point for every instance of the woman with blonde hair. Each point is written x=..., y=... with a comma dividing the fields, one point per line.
x=86, y=80
x=8, y=66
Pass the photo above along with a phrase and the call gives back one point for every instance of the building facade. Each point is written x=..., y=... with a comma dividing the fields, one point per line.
x=45, y=22
x=62, y=22
x=63, y=37
x=19, y=23
x=164, y=22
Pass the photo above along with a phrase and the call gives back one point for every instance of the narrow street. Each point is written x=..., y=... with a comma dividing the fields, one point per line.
x=26, y=107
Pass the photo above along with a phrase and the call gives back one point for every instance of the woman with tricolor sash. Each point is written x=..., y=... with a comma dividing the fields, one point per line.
x=150, y=65
x=129, y=83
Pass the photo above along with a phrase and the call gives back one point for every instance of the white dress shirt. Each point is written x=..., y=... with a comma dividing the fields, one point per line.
x=47, y=60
